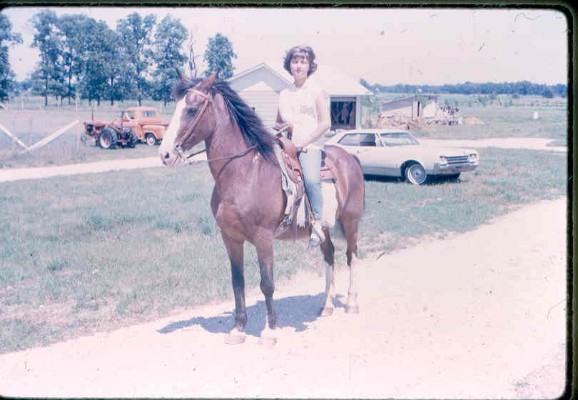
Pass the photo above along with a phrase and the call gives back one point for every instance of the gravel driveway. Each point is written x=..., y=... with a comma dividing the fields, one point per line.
x=481, y=315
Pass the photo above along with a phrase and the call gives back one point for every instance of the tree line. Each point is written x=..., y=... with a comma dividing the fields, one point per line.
x=521, y=88
x=81, y=58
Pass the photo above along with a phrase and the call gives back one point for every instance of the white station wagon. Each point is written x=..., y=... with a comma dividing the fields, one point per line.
x=397, y=153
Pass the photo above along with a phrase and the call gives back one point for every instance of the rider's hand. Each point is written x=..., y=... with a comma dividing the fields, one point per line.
x=285, y=127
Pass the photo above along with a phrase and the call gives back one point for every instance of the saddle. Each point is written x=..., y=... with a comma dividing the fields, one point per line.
x=290, y=153
x=293, y=184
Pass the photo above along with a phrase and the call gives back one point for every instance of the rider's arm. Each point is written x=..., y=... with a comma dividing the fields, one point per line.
x=281, y=126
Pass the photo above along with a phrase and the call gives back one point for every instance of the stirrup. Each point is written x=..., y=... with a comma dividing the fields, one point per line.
x=287, y=219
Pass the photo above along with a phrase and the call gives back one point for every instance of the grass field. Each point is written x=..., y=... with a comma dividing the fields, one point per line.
x=89, y=253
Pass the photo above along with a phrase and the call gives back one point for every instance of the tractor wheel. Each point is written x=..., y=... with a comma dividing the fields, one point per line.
x=132, y=139
x=107, y=139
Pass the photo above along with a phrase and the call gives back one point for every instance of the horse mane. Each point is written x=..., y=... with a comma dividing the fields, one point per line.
x=240, y=114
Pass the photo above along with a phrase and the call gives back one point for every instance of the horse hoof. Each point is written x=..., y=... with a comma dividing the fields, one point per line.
x=268, y=337
x=352, y=309
x=268, y=340
x=235, y=338
x=326, y=312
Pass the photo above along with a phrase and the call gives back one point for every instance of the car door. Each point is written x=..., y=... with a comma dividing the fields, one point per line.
x=375, y=156
x=366, y=146
x=357, y=143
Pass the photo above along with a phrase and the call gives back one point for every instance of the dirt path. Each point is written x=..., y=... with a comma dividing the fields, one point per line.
x=481, y=315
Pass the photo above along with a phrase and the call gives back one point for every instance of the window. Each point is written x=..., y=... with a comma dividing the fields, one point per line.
x=358, y=139
x=397, y=139
x=149, y=114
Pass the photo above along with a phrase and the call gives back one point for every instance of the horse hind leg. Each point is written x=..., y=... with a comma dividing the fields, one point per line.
x=328, y=251
x=350, y=228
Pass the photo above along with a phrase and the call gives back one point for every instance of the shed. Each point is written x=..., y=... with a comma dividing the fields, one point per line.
x=260, y=87
x=423, y=105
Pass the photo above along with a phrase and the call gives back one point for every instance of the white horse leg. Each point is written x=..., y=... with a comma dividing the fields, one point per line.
x=327, y=309
x=352, y=307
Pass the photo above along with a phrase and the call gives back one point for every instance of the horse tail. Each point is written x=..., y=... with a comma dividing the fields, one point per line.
x=359, y=164
x=349, y=175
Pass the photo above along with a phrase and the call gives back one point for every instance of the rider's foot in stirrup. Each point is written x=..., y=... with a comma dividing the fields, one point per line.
x=317, y=236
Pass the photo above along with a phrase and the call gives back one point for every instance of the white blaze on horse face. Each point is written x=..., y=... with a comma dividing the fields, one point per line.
x=167, y=147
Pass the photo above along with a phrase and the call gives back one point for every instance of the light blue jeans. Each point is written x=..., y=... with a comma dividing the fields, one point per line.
x=311, y=165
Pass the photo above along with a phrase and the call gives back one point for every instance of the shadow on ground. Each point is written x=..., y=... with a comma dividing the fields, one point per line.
x=294, y=312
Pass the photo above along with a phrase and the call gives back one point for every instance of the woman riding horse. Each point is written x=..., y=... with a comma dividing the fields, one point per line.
x=248, y=202
x=304, y=114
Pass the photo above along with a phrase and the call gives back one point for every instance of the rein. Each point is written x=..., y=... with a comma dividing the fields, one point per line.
x=187, y=159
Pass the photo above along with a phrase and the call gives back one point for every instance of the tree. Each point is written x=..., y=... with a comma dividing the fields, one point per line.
x=47, y=76
x=102, y=64
x=76, y=36
x=219, y=55
x=168, y=55
x=7, y=38
x=135, y=34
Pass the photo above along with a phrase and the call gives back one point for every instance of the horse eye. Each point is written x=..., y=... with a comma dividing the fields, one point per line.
x=192, y=110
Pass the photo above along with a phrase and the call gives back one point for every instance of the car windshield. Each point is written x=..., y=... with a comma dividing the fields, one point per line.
x=398, y=139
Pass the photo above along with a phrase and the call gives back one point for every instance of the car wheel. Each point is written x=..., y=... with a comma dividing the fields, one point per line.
x=151, y=139
x=415, y=174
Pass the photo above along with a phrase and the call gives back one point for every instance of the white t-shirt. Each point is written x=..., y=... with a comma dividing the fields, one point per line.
x=297, y=105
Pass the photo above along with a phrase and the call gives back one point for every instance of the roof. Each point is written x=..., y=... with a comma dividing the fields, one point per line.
x=330, y=78
x=414, y=97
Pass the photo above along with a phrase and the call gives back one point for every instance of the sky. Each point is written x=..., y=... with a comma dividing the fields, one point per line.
x=381, y=45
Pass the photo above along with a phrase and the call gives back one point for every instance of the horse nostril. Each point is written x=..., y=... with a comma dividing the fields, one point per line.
x=166, y=155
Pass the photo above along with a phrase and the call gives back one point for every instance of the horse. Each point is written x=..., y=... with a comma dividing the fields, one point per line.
x=248, y=202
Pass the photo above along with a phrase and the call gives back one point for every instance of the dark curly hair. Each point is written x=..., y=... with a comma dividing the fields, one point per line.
x=300, y=49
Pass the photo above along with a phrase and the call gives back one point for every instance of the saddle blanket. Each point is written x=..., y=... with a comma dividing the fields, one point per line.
x=329, y=207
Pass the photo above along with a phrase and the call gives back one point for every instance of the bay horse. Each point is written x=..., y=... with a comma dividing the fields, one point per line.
x=248, y=202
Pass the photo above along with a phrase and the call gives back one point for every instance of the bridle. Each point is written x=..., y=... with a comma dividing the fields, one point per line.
x=208, y=99
x=187, y=158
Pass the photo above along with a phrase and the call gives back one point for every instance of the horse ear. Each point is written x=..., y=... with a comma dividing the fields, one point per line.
x=208, y=82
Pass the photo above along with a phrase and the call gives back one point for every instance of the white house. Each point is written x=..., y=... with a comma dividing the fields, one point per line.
x=260, y=87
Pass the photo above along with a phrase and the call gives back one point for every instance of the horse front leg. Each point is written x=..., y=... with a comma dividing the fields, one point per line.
x=235, y=252
x=264, y=249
